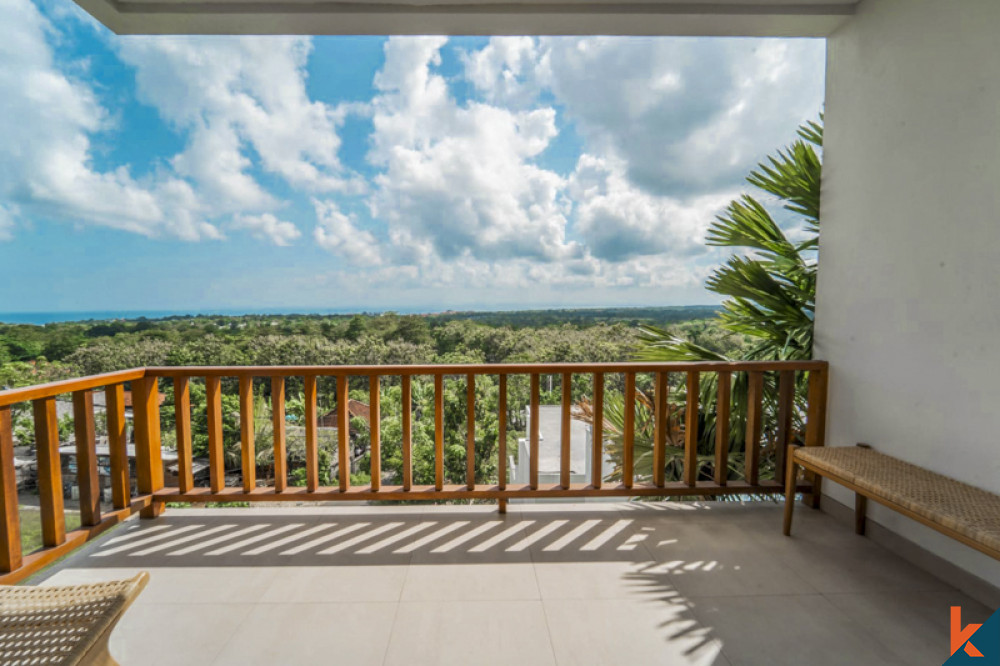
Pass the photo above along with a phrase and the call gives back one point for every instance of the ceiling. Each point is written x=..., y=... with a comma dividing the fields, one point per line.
x=760, y=18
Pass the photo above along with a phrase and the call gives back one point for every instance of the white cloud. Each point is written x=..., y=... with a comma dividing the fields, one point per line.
x=620, y=221
x=267, y=227
x=688, y=116
x=460, y=180
x=236, y=94
x=46, y=123
x=336, y=233
x=504, y=71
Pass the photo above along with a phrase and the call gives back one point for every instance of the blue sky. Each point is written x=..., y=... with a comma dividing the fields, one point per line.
x=192, y=173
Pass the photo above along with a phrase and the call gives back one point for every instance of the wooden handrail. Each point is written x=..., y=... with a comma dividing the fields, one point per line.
x=26, y=393
x=458, y=369
x=767, y=436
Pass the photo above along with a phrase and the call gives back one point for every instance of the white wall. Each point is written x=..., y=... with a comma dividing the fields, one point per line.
x=909, y=288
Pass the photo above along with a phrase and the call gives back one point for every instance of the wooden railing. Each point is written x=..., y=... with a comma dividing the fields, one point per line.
x=152, y=493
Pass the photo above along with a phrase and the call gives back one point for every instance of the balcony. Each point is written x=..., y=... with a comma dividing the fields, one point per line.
x=654, y=583
x=564, y=572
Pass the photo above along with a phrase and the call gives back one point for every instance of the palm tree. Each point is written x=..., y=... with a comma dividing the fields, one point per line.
x=770, y=290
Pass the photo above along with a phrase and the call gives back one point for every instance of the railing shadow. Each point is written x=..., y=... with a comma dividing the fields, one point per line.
x=371, y=538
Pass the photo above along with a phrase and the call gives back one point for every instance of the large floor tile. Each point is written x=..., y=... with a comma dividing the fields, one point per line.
x=589, y=580
x=335, y=584
x=619, y=631
x=155, y=634
x=470, y=582
x=470, y=632
x=791, y=629
x=303, y=633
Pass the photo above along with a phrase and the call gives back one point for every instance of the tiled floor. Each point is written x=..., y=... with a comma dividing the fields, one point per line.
x=602, y=584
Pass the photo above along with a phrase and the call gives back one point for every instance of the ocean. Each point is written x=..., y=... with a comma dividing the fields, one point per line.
x=39, y=318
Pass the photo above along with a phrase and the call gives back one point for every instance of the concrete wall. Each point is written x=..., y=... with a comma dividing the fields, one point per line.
x=909, y=294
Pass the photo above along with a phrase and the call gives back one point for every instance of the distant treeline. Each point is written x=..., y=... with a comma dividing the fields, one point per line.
x=660, y=316
x=33, y=354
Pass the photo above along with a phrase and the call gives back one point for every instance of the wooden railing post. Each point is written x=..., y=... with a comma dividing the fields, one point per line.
x=278, y=433
x=50, y=488
x=470, y=431
x=533, y=434
x=407, y=411
x=10, y=519
x=691, y=430
x=816, y=427
x=628, y=437
x=755, y=423
x=722, y=413
x=343, y=432
x=597, y=433
x=148, y=458
x=660, y=429
x=502, y=434
x=786, y=403
x=216, y=453
x=565, y=429
x=248, y=451
x=438, y=432
x=375, y=428
x=86, y=458
x=121, y=478
x=182, y=423
x=312, y=433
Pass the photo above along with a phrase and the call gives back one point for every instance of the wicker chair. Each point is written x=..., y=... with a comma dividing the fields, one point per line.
x=63, y=625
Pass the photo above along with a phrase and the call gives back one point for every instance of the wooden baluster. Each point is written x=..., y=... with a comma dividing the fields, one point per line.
x=278, y=428
x=597, y=433
x=723, y=407
x=375, y=428
x=407, y=409
x=566, y=430
x=533, y=426
x=312, y=432
x=216, y=455
x=786, y=402
x=502, y=434
x=438, y=432
x=691, y=430
x=10, y=518
x=755, y=417
x=660, y=429
x=182, y=422
x=50, y=488
x=344, y=432
x=148, y=458
x=248, y=450
x=816, y=412
x=121, y=479
x=628, y=437
x=816, y=427
x=470, y=428
x=86, y=458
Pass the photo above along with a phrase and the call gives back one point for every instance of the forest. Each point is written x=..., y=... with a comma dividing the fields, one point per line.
x=36, y=354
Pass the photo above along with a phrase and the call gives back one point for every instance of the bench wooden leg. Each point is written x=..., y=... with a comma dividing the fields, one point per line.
x=860, y=508
x=811, y=499
x=791, y=476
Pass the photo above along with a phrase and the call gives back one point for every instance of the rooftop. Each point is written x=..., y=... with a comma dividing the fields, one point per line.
x=555, y=583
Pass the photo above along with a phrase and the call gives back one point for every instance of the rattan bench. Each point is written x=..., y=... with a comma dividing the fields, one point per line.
x=966, y=513
x=63, y=625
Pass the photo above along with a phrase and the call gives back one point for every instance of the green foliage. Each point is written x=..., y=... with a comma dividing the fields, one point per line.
x=769, y=286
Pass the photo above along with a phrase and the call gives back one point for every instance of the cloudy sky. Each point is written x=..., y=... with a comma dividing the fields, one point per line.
x=372, y=173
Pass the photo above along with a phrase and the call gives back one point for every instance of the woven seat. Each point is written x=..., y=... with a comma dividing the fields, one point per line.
x=63, y=625
x=946, y=504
